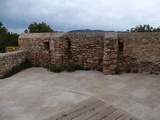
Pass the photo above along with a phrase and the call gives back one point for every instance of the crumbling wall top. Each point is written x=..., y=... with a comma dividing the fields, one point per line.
x=41, y=35
x=110, y=34
x=139, y=35
x=75, y=34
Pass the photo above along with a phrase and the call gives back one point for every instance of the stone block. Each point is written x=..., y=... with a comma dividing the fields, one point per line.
x=106, y=57
x=128, y=50
x=134, y=44
x=112, y=67
x=113, y=56
x=107, y=62
x=107, y=72
x=1, y=73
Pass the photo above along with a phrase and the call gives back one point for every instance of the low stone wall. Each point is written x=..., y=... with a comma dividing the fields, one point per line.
x=141, y=52
x=86, y=49
x=131, y=52
x=10, y=60
x=110, y=53
x=59, y=48
x=37, y=47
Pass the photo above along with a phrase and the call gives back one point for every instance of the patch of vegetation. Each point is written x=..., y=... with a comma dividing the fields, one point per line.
x=128, y=70
x=39, y=28
x=73, y=67
x=117, y=71
x=24, y=65
x=53, y=68
x=68, y=68
x=144, y=28
x=135, y=70
x=7, y=38
x=100, y=69
x=36, y=65
x=86, y=69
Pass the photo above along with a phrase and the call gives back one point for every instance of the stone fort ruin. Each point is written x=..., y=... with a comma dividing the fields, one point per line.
x=134, y=52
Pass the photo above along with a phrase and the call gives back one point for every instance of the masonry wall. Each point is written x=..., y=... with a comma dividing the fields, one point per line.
x=141, y=52
x=110, y=53
x=130, y=52
x=36, y=47
x=86, y=49
x=59, y=49
x=10, y=60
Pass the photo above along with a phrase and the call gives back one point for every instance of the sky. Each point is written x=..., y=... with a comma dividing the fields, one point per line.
x=65, y=15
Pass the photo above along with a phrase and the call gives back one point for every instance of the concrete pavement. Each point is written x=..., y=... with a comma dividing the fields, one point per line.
x=35, y=93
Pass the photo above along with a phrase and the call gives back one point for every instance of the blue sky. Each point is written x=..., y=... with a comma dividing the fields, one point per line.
x=64, y=15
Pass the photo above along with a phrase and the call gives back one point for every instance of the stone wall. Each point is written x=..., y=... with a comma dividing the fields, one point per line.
x=141, y=52
x=37, y=47
x=59, y=50
x=110, y=55
x=86, y=49
x=131, y=52
x=10, y=60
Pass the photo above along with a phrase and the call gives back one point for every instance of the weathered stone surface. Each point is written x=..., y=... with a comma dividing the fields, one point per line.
x=141, y=50
x=85, y=49
x=37, y=49
x=10, y=60
x=110, y=53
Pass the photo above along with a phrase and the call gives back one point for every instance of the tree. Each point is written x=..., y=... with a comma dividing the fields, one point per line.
x=26, y=31
x=3, y=30
x=39, y=28
x=6, y=38
x=142, y=28
x=156, y=29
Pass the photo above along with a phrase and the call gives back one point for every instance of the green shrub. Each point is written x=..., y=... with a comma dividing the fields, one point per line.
x=25, y=64
x=69, y=68
x=100, y=69
x=128, y=70
x=73, y=67
x=54, y=68
x=135, y=70
x=117, y=71
x=86, y=69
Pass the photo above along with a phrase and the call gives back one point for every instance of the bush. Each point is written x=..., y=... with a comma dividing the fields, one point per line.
x=69, y=68
x=128, y=70
x=54, y=68
x=135, y=70
x=100, y=69
x=72, y=67
x=117, y=71
x=86, y=69
x=18, y=68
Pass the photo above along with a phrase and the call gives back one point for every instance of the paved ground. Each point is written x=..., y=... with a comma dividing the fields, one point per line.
x=36, y=93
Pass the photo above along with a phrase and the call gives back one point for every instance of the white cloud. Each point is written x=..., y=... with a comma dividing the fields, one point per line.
x=77, y=14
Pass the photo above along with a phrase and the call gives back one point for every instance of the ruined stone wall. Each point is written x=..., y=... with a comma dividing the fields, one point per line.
x=86, y=49
x=59, y=48
x=130, y=52
x=10, y=60
x=37, y=47
x=141, y=52
x=110, y=55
